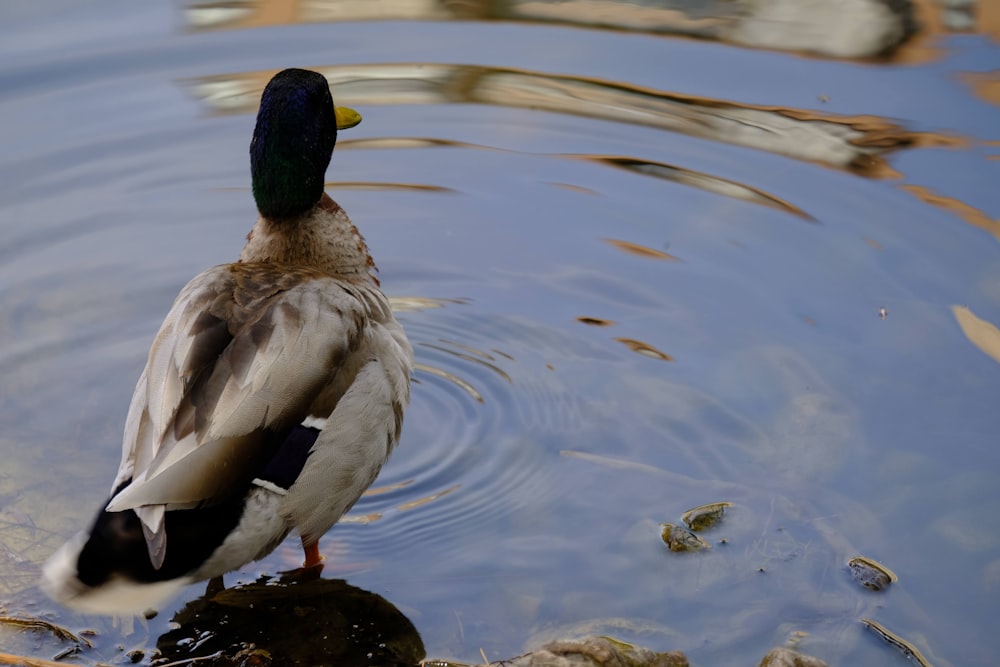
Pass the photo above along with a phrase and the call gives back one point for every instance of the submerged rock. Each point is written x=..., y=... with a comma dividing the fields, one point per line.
x=678, y=538
x=597, y=652
x=871, y=574
x=786, y=657
x=704, y=517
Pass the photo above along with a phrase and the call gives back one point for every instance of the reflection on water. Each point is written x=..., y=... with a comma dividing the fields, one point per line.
x=981, y=333
x=984, y=84
x=695, y=179
x=641, y=250
x=898, y=30
x=857, y=144
x=851, y=29
x=595, y=321
x=809, y=242
x=644, y=348
x=970, y=214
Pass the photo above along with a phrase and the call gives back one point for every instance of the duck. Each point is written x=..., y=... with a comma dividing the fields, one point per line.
x=273, y=393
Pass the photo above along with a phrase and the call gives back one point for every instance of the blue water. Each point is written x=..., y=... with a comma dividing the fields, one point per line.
x=641, y=272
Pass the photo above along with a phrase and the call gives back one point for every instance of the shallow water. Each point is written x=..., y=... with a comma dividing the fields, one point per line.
x=641, y=272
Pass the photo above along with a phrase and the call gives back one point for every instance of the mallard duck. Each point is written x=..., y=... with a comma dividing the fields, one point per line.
x=273, y=393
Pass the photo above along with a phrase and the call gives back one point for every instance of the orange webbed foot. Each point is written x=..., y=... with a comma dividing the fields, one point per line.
x=311, y=569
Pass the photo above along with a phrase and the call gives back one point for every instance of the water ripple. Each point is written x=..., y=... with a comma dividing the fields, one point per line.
x=465, y=460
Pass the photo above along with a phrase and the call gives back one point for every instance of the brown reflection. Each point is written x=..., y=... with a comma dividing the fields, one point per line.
x=471, y=350
x=991, y=144
x=935, y=18
x=470, y=357
x=722, y=186
x=420, y=502
x=574, y=188
x=641, y=250
x=971, y=215
x=388, y=488
x=667, y=172
x=451, y=377
x=924, y=45
x=981, y=333
x=862, y=29
x=988, y=19
x=986, y=85
x=644, y=349
x=414, y=304
x=595, y=321
x=362, y=519
x=874, y=136
x=402, y=507
x=853, y=143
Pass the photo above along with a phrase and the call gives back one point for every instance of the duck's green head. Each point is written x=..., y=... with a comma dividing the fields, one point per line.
x=293, y=141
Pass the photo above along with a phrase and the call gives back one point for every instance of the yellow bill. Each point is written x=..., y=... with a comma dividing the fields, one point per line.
x=346, y=117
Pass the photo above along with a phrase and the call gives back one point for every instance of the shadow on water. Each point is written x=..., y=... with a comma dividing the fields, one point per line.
x=651, y=255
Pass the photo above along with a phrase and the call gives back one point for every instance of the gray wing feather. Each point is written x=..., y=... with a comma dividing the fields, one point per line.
x=238, y=354
x=359, y=435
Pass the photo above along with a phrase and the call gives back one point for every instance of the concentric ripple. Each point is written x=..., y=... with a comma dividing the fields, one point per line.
x=464, y=459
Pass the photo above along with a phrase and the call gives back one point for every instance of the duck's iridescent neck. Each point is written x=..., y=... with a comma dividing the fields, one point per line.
x=324, y=237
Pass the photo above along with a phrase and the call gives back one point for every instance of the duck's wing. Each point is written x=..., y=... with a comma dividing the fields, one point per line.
x=242, y=354
x=357, y=437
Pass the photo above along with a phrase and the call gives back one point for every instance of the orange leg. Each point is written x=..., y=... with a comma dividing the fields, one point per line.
x=313, y=556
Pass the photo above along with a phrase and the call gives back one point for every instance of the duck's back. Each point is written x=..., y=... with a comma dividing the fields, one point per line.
x=274, y=388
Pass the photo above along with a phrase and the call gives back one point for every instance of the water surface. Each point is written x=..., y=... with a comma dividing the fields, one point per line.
x=645, y=262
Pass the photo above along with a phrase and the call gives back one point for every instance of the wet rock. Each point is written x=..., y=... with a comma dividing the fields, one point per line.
x=786, y=657
x=681, y=539
x=871, y=574
x=704, y=517
x=597, y=652
x=291, y=621
x=905, y=647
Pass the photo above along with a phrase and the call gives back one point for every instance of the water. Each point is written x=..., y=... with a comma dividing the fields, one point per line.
x=641, y=272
